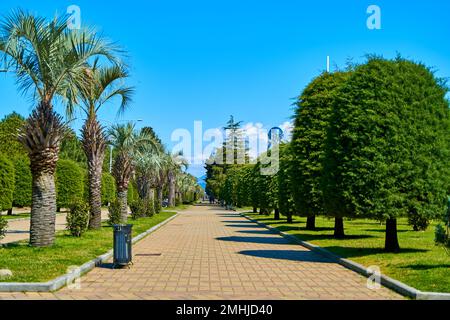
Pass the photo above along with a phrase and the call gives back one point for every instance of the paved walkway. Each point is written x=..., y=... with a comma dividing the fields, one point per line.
x=20, y=229
x=209, y=253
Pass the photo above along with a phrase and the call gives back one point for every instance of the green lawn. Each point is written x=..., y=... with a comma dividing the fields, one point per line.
x=420, y=264
x=16, y=216
x=42, y=264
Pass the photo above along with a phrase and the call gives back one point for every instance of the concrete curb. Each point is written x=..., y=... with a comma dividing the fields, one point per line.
x=61, y=281
x=386, y=281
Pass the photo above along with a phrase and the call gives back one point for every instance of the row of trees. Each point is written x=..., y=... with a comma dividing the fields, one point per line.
x=369, y=142
x=82, y=71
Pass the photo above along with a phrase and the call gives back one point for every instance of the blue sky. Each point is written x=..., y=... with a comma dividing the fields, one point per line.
x=204, y=60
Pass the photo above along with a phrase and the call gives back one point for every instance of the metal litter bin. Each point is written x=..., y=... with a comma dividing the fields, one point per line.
x=122, y=245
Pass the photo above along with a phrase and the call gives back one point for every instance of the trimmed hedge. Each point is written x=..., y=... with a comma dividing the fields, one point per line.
x=7, y=181
x=108, y=188
x=69, y=183
x=23, y=185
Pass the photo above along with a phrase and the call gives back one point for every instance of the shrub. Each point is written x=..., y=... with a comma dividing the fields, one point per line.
x=418, y=222
x=114, y=213
x=132, y=194
x=3, y=225
x=138, y=208
x=78, y=218
x=69, y=183
x=149, y=207
x=108, y=188
x=7, y=181
x=441, y=236
x=23, y=178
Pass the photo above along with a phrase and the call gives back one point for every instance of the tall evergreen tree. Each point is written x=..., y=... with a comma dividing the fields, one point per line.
x=389, y=147
x=312, y=120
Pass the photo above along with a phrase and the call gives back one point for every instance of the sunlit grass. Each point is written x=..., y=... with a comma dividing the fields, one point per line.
x=420, y=264
x=42, y=264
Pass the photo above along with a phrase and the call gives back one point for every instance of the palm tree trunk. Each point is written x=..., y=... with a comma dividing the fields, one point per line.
x=43, y=210
x=95, y=197
x=171, y=190
x=159, y=199
x=94, y=146
x=41, y=136
x=122, y=196
x=151, y=202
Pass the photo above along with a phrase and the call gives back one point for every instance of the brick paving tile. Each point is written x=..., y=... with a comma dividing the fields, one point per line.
x=208, y=253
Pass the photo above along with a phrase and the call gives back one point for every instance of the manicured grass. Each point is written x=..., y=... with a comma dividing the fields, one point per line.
x=42, y=264
x=16, y=216
x=420, y=264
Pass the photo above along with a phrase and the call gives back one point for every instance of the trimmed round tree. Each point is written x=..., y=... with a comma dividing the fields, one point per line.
x=69, y=183
x=7, y=180
x=312, y=120
x=389, y=147
x=285, y=200
x=23, y=178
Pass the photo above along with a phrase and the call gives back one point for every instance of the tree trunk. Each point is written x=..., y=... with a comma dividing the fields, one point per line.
x=43, y=210
x=391, y=242
x=311, y=223
x=94, y=146
x=150, y=202
x=10, y=212
x=289, y=218
x=255, y=209
x=122, y=198
x=339, y=228
x=41, y=136
x=159, y=199
x=95, y=197
x=277, y=214
x=171, y=190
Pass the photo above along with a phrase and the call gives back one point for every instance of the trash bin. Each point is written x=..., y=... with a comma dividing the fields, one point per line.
x=122, y=245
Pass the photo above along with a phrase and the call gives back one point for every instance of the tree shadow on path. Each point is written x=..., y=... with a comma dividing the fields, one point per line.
x=266, y=240
x=292, y=255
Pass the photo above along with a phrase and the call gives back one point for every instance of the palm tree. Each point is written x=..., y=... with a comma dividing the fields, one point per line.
x=174, y=163
x=130, y=147
x=149, y=164
x=106, y=84
x=48, y=59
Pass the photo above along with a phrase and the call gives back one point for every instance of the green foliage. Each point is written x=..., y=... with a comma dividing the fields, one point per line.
x=78, y=218
x=108, y=188
x=388, y=149
x=69, y=183
x=442, y=236
x=149, y=206
x=138, y=208
x=285, y=199
x=114, y=213
x=132, y=194
x=72, y=149
x=9, y=129
x=23, y=185
x=3, y=227
x=7, y=181
x=312, y=121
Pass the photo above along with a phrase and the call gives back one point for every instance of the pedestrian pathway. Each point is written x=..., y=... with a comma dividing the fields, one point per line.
x=20, y=229
x=210, y=253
